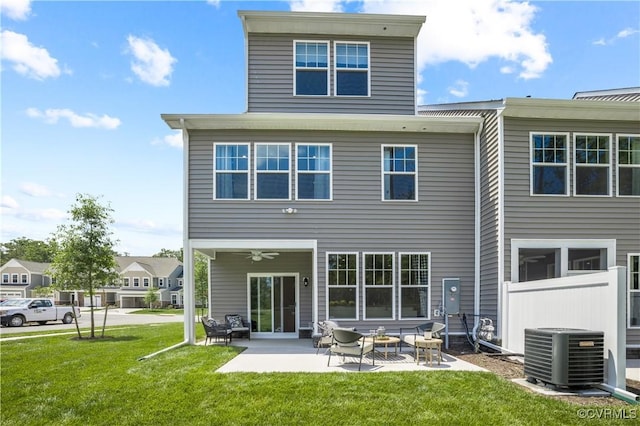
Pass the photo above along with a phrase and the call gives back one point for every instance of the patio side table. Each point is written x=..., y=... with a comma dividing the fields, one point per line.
x=427, y=345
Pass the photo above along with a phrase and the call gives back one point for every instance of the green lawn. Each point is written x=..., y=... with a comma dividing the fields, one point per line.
x=62, y=381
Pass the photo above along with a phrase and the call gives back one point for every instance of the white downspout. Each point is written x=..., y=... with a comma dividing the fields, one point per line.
x=478, y=234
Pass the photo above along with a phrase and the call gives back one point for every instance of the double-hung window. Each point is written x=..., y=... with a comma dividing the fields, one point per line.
x=549, y=163
x=414, y=285
x=313, y=172
x=378, y=285
x=145, y=282
x=342, y=280
x=311, y=64
x=136, y=282
x=352, y=69
x=628, y=165
x=14, y=278
x=399, y=172
x=592, y=164
x=5, y=278
x=272, y=174
x=231, y=171
x=24, y=278
x=634, y=290
x=125, y=282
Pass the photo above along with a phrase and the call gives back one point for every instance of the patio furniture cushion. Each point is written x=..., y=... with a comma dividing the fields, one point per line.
x=350, y=343
x=238, y=325
x=215, y=330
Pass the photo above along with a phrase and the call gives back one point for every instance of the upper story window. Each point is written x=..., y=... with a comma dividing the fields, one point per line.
x=313, y=172
x=549, y=164
x=145, y=282
x=399, y=172
x=161, y=282
x=24, y=278
x=311, y=63
x=351, y=69
x=125, y=282
x=14, y=278
x=231, y=171
x=592, y=164
x=136, y=282
x=5, y=278
x=272, y=172
x=629, y=165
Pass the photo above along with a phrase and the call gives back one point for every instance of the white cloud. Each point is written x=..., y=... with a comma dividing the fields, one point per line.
x=29, y=60
x=51, y=116
x=36, y=215
x=316, y=5
x=173, y=140
x=474, y=31
x=147, y=226
x=151, y=64
x=35, y=190
x=215, y=3
x=460, y=89
x=627, y=32
x=9, y=202
x=18, y=10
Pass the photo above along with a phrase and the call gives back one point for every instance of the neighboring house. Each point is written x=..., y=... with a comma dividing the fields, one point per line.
x=332, y=197
x=20, y=277
x=137, y=275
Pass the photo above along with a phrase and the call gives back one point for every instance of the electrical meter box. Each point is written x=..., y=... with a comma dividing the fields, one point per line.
x=451, y=295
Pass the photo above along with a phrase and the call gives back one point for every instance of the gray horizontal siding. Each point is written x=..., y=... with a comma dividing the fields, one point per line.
x=442, y=222
x=270, y=80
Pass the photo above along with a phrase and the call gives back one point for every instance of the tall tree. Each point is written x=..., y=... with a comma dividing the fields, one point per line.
x=169, y=253
x=27, y=249
x=85, y=257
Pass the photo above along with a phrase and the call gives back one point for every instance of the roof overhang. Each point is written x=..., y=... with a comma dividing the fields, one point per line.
x=323, y=122
x=572, y=109
x=359, y=24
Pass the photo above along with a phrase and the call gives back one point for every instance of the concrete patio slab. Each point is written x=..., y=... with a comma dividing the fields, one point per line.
x=298, y=355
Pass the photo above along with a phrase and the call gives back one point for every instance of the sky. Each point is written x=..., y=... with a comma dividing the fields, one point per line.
x=83, y=85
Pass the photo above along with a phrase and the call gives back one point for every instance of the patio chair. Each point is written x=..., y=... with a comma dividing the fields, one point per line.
x=216, y=331
x=434, y=327
x=350, y=343
x=238, y=325
x=324, y=339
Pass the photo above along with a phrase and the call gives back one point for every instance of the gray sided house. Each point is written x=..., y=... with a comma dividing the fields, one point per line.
x=20, y=277
x=139, y=274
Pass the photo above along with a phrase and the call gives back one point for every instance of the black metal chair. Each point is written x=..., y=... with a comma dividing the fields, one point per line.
x=238, y=325
x=216, y=331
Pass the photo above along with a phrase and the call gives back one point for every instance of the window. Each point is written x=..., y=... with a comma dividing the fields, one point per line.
x=549, y=162
x=14, y=278
x=272, y=171
x=145, y=282
x=231, y=171
x=313, y=172
x=378, y=286
x=592, y=164
x=5, y=278
x=136, y=282
x=126, y=282
x=342, y=280
x=634, y=290
x=538, y=263
x=24, y=278
x=351, y=69
x=399, y=172
x=311, y=64
x=414, y=285
x=180, y=283
x=587, y=259
x=161, y=282
x=629, y=165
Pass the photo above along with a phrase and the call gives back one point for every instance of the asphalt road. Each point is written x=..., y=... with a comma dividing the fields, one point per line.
x=115, y=317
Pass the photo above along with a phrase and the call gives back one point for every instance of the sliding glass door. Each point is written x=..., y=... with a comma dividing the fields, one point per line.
x=273, y=303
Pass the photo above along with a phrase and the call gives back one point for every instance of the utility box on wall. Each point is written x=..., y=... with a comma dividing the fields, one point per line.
x=451, y=295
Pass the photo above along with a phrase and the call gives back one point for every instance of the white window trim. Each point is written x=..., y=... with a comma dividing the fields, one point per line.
x=14, y=279
x=629, y=291
x=6, y=279
x=618, y=136
x=383, y=173
x=247, y=172
x=609, y=165
x=161, y=282
x=145, y=282
x=126, y=282
x=295, y=67
x=564, y=245
x=365, y=286
x=256, y=173
x=24, y=278
x=565, y=164
x=330, y=172
x=336, y=70
x=400, y=286
x=326, y=269
x=136, y=279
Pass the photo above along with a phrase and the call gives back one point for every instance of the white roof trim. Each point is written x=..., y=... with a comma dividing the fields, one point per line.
x=335, y=122
x=358, y=24
x=572, y=109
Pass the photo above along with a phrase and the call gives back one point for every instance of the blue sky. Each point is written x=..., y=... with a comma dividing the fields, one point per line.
x=83, y=85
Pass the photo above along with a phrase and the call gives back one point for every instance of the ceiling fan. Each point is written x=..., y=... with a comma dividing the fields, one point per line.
x=258, y=255
x=530, y=259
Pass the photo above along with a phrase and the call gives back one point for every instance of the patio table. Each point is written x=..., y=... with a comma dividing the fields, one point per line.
x=427, y=345
x=385, y=341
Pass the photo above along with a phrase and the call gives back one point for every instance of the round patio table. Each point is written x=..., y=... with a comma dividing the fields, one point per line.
x=427, y=345
x=384, y=341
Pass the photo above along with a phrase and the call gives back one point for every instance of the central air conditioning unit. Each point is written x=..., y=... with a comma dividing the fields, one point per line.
x=564, y=356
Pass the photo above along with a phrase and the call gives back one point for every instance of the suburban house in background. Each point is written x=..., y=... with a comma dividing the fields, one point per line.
x=137, y=275
x=336, y=197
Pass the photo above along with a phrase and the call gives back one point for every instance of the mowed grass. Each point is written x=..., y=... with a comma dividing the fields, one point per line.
x=58, y=380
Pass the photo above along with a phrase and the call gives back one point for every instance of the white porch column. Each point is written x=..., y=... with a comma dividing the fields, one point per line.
x=189, y=296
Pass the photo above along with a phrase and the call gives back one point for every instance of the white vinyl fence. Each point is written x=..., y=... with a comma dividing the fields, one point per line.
x=589, y=301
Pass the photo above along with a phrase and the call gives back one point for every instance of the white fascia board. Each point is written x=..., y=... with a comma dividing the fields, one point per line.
x=572, y=109
x=358, y=24
x=326, y=122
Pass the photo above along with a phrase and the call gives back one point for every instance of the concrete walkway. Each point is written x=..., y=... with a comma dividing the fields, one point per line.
x=299, y=356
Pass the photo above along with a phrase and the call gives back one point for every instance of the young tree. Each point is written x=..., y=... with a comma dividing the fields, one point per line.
x=200, y=278
x=85, y=257
x=151, y=297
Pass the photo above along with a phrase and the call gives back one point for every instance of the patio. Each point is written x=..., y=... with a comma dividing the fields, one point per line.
x=299, y=356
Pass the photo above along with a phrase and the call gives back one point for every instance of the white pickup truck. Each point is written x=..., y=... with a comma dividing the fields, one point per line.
x=16, y=312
